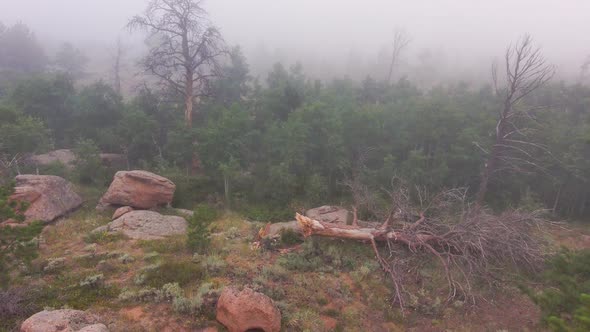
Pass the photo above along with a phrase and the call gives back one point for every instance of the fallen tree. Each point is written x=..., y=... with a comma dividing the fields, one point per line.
x=469, y=243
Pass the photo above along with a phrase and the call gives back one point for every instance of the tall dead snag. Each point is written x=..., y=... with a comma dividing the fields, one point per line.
x=117, y=66
x=184, y=48
x=400, y=42
x=525, y=71
x=469, y=244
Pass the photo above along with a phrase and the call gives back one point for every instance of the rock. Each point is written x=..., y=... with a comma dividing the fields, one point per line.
x=68, y=159
x=64, y=156
x=121, y=211
x=49, y=197
x=146, y=225
x=95, y=328
x=113, y=160
x=185, y=213
x=138, y=189
x=62, y=321
x=247, y=310
x=331, y=214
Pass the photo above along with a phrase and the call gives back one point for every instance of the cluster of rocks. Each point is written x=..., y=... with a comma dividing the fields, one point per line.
x=238, y=310
x=132, y=194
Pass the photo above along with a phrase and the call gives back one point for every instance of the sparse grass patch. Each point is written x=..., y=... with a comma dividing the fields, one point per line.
x=170, y=245
x=305, y=320
x=213, y=264
x=181, y=272
x=102, y=237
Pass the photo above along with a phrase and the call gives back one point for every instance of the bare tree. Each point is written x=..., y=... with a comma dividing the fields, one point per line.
x=117, y=66
x=184, y=48
x=400, y=42
x=526, y=70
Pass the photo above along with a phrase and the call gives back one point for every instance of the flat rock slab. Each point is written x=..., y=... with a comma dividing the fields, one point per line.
x=49, y=197
x=138, y=189
x=62, y=321
x=146, y=225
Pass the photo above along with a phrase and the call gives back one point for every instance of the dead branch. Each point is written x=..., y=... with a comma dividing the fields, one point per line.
x=469, y=242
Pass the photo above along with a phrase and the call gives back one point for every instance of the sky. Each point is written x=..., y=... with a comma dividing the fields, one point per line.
x=468, y=32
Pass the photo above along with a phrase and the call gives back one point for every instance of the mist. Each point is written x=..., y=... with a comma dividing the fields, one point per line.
x=339, y=38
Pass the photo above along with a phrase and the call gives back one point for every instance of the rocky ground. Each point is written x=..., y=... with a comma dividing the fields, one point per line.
x=133, y=274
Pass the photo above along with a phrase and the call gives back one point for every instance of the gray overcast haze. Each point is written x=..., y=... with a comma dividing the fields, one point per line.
x=325, y=33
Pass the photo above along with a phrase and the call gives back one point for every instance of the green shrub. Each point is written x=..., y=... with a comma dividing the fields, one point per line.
x=565, y=299
x=88, y=165
x=199, y=234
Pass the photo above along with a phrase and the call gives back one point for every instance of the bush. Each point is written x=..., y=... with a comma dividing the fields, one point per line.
x=199, y=235
x=89, y=169
x=565, y=299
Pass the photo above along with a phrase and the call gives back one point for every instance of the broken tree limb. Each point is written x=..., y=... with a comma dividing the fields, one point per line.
x=315, y=227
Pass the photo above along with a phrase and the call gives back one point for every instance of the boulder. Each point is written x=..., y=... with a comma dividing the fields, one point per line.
x=330, y=214
x=146, y=225
x=121, y=211
x=49, y=197
x=138, y=189
x=62, y=321
x=68, y=159
x=246, y=310
x=63, y=156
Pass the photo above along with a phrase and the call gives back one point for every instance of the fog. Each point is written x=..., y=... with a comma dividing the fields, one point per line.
x=340, y=37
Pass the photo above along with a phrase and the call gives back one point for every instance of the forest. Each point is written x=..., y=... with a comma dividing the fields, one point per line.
x=453, y=163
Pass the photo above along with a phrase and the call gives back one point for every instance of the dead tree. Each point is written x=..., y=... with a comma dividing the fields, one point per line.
x=117, y=66
x=400, y=42
x=469, y=244
x=184, y=48
x=526, y=70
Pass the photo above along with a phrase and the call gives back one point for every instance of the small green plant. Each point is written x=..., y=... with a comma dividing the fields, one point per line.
x=88, y=166
x=199, y=234
x=565, y=299
x=54, y=265
x=213, y=264
x=94, y=281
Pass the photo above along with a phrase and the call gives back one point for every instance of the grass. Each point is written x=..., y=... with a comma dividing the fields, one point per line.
x=170, y=245
x=181, y=272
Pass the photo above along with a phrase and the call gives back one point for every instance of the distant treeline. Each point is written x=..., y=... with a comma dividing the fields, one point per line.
x=293, y=141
